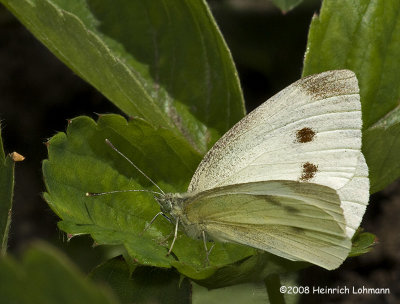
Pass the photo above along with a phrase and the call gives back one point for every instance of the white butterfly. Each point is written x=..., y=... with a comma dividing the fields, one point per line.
x=289, y=178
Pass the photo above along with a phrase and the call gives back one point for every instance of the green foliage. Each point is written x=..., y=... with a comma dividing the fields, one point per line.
x=45, y=276
x=254, y=293
x=6, y=196
x=382, y=149
x=363, y=242
x=273, y=283
x=164, y=61
x=363, y=36
x=80, y=161
x=145, y=285
x=253, y=269
x=257, y=291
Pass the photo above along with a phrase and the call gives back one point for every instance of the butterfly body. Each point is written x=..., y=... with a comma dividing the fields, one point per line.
x=174, y=205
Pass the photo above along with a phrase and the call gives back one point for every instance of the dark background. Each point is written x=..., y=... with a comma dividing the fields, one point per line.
x=38, y=94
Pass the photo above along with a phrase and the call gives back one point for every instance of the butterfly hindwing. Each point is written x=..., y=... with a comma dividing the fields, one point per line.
x=293, y=220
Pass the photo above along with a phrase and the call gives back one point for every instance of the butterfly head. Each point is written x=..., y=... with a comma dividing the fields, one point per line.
x=170, y=203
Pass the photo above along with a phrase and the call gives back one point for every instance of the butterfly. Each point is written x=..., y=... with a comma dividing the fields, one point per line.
x=289, y=178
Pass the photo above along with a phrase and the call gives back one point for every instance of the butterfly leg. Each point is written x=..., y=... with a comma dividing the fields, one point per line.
x=205, y=247
x=175, y=236
x=153, y=219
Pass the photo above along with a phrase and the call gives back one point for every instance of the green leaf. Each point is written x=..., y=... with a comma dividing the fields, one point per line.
x=382, y=148
x=145, y=285
x=80, y=161
x=6, y=196
x=363, y=36
x=254, y=293
x=273, y=285
x=164, y=61
x=251, y=292
x=286, y=5
x=363, y=242
x=2, y=154
x=45, y=276
x=253, y=269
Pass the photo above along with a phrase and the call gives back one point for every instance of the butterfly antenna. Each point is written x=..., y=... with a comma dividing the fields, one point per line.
x=136, y=167
x=120, y=191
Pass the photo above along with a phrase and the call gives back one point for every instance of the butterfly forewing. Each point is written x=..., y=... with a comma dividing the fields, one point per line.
x=291, y=219
x=310, y=131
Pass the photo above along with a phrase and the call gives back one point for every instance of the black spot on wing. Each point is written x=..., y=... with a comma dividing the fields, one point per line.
x=305, y=135
x=309, y=171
